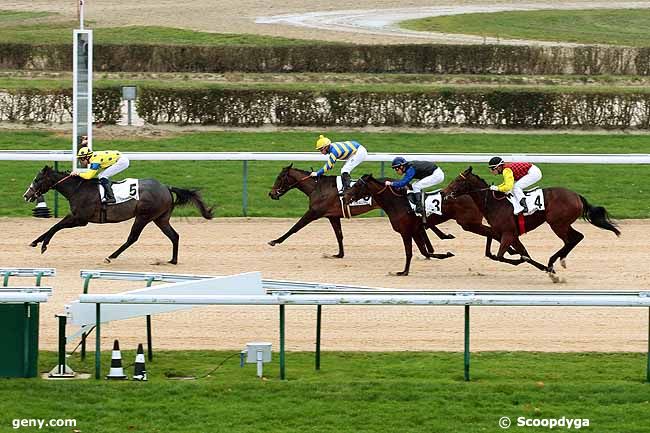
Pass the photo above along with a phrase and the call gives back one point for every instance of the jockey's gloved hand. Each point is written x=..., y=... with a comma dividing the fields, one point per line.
x=388, y=183
x=494, y=188
x=313, y=174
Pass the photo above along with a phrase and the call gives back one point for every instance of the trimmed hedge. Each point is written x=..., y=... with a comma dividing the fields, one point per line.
x=441, y=108
x=436, y=108
x=48, y=106
x=438, y=59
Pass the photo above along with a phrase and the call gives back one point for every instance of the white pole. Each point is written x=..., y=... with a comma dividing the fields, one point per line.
x=81, y=14
x=260, y=363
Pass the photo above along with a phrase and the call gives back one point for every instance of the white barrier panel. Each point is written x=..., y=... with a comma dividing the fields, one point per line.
x=28, y=272
x=18, y=297
x=248, y=284
x=34, y=155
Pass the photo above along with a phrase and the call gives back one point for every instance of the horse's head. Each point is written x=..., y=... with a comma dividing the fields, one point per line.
x=464, y=183
x=284, y=182
x=360, y=189
x=44, y=180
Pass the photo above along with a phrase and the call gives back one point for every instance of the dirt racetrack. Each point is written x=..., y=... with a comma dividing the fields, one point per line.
x=229, y=246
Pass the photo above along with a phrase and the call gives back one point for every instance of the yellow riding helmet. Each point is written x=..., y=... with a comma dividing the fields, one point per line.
x=84, y=152
x=322, y=142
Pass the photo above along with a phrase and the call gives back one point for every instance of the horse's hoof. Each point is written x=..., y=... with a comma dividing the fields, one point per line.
x=563, y=263
x=554, y=278
x=450, y=236
x=173, y=262
x=33, y=244
x=450, y=254
x=337, y=256
x=43, y=249
x=272, y=243
x=107, y=260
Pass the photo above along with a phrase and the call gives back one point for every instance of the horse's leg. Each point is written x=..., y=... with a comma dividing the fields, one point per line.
x=489, y=233
x=336, y=226
x=507, y=239
x=303, y=221
x=408, y=250
x=441, y=235
x=525, y=256
x=424, y=245
x=136, y=230
x=164, y=226
x=571, y=238
x=67, y=222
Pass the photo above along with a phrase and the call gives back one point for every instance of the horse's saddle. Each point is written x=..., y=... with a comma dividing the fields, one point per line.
x=534, y=200
x=360, y=202
x=432, y=203
x=123, y=190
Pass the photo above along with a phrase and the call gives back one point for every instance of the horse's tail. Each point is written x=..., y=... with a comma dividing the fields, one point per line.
x=186, y=196
x=598, y=216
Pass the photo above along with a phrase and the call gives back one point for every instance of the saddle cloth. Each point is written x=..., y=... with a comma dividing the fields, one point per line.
x=534, y=200
x=360, y=202
x=123, y=190
x=432, y=203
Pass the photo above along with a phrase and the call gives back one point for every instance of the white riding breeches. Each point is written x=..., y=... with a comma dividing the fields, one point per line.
x=120, y=165
x=359, y=156
x=434, y=179
x=533, y=176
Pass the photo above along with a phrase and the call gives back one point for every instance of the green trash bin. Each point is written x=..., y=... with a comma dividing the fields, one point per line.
x=19, y=339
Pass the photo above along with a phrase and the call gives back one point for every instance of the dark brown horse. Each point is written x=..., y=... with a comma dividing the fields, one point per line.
x=324, y=201
x=462, y=210
x=156, y=203
x=563, y=208
x=402, y=219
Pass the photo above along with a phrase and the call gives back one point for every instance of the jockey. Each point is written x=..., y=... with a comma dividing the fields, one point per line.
x=351, y=152
x=112, y=162
x=516, y=177
x=428, y=173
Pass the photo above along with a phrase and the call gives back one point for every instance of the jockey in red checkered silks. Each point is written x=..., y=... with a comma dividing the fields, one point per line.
x=516, y=177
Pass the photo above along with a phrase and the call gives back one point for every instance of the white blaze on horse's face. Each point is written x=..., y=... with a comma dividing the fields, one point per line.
x=30, y=189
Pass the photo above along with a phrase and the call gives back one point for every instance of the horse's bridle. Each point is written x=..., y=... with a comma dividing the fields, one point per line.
x=299, y=181
x=38, y=193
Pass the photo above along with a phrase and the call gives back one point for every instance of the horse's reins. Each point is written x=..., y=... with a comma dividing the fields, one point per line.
x=297, y=182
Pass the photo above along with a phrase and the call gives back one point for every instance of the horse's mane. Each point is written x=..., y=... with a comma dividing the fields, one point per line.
x=480, y=179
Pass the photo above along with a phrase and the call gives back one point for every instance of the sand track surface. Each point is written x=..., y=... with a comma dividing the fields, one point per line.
x=229, y=246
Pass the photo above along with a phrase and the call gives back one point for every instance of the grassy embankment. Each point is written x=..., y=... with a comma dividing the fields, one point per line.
x=602, y=26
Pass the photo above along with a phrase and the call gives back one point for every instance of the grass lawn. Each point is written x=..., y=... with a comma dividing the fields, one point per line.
x=603, y=26
x=48, y=28
x=620, y=188
x=353, y=392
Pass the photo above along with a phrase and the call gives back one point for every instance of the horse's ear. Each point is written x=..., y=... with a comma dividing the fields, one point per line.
x=290, y=165
x=469, y=169
x=46, y=168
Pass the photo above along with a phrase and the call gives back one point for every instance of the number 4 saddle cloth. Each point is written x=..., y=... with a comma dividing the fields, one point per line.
x=534, y=200
x=123, y=190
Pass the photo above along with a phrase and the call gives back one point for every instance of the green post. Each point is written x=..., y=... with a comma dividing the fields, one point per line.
x=245, y=190
x=282, y=371
x=39, y=275
x=5, y=281
x=466, y=356
x=149, y=345
x=318, y=327
x=98, y=345
x=26, y=334
x=56, y=194
x=84, y=335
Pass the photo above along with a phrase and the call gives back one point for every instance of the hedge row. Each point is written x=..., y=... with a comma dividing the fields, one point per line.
x=438, y=59
x=487, y=108
x=47, y=106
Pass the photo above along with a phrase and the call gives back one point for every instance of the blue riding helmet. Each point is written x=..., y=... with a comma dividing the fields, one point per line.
x=398, y=162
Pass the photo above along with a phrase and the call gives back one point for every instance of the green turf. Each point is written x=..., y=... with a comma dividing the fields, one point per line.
x=621, y=189
x=18, y=27
x=603, y=26
x=353, y=392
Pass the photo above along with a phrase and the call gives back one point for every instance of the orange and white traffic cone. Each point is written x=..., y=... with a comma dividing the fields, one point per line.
x=140, y=372
x=117, y=372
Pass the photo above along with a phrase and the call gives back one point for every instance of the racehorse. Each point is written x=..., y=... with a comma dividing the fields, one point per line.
x=563, y=208
x=324, y=201
x=156, y=203
x=462, y=210
x=402, y=219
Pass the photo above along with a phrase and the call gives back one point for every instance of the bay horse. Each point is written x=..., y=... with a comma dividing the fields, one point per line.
x=324, y=201
x=563, y=208
x=156, y=203
x=399, y=212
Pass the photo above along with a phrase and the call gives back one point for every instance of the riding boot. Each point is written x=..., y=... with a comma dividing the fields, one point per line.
x=416, y=199
x=109, y=198
x=345, y=180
